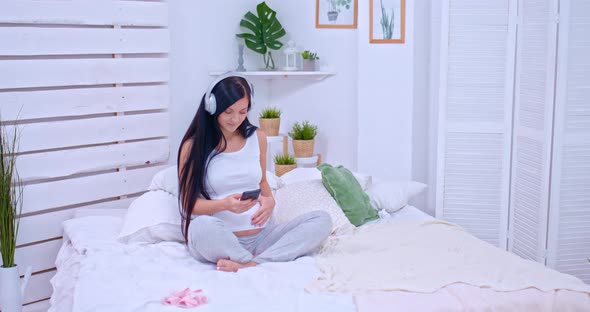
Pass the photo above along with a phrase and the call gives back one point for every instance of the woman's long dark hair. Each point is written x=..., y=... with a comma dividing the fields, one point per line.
x=206, y=135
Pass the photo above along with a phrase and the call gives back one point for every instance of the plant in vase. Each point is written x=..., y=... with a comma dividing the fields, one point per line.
x=303, y=135
x=265, y=33
x=12, y=292
x=270, y=120
x=284, y=163
x=309, y=60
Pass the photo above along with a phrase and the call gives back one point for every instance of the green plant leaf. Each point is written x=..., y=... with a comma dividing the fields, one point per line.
x=265, y=30
x=256, y=47
x=250, y=37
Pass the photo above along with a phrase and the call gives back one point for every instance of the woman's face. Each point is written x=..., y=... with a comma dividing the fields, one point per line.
x=230, y=119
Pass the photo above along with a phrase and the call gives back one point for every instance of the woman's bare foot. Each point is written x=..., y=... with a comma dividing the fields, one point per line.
x=232, y=266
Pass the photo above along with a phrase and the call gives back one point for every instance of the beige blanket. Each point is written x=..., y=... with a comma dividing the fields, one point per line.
x=424, y=257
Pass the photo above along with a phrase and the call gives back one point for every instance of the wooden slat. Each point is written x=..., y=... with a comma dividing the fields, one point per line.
x=104, y=12
x=60, y=134
x=65, y=163
x=40, y=256
x=23, y=105
x=39, y=287
x=49, y=225
x=31, y=41
x=81, y=72
x=48, y=195
x=39, y=306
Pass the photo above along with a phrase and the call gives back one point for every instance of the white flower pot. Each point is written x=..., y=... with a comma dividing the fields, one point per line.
x=12, y=289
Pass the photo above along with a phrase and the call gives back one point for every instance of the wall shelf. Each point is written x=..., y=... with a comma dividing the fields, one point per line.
x=268, y=75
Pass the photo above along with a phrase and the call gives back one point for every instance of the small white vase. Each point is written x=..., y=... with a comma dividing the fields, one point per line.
x=13, y=290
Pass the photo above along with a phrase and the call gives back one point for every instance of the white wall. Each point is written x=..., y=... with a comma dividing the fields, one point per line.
x=421, y=110
x=364, y=112
x=330, y=103
x=433, y=91
x=203, y=40
x=202, y=35
x=385, y=97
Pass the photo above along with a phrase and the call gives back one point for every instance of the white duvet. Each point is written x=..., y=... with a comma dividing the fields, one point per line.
x=425, y=256
x=96, y=273
x=117, y=277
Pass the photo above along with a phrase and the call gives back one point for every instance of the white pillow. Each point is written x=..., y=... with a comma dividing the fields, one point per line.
x=151, y=218
x=167, y=180
x=310, y=174
x=391, y=195
x=295, y=199
x=273, y=181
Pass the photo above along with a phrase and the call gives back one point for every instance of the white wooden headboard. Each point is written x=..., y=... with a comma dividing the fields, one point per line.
x=86, y=83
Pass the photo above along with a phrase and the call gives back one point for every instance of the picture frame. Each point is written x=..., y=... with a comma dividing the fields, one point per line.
x=381, y=28
x=336, y=14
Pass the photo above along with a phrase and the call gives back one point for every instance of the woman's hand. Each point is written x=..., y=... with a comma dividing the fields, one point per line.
x=235, y=205
x=267, y=203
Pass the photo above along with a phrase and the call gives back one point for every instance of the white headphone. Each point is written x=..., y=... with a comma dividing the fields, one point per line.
x=211, y=101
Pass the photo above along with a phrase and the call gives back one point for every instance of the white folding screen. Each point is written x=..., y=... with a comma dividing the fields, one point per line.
x=85, y=83
x=533, y=127
x=569, y=226
x=545, y=142
x=475, y=116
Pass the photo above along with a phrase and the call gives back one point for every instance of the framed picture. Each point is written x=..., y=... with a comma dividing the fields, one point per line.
x=336, y=13
x=387, y=19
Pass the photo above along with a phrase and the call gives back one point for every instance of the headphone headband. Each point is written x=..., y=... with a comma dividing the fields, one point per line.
x=211, y=101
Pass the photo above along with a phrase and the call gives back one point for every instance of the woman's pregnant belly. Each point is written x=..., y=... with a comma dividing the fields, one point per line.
x=237, y=222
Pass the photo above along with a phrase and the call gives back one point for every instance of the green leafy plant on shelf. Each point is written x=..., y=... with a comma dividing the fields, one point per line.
x=303, y=131
x=270, y=113
x=265, y=32
x=308, y=55
x=284, y=159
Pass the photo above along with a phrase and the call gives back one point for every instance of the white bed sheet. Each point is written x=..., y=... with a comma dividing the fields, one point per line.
x=96, y=273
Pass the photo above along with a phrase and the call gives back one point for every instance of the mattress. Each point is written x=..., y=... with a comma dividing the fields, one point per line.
x=92, y=277
x=96, y=273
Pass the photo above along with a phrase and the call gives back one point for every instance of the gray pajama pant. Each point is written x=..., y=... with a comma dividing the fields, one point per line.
x=209, y=240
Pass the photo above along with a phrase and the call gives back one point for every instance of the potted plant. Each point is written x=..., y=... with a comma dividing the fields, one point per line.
x=335, y=6
x=284, y=163
x=303, y=135
x=265, y=33
x=309, y=60
x=12, y=292
x=270, y=120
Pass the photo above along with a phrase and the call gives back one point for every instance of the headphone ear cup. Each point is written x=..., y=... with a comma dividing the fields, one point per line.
x=211, y=104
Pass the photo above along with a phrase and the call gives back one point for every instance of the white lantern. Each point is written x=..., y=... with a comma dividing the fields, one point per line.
x=290, y=56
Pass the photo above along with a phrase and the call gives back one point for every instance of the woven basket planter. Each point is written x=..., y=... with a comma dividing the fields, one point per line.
x=303, y=148
x=282, y=169
x=270, y=126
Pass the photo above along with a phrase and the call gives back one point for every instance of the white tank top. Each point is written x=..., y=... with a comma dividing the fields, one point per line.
x=235, y=172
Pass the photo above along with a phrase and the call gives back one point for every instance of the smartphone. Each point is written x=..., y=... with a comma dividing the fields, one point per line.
x=250, y=195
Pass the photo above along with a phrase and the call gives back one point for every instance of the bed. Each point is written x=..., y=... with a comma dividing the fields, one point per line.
x=96, y=272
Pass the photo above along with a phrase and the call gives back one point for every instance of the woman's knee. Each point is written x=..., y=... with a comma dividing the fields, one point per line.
x=323, y=222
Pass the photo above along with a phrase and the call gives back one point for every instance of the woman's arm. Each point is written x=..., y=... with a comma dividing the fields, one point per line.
x=267, y=201
x=211, y=206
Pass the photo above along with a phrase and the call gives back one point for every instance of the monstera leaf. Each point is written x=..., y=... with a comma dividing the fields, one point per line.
x=265, y=31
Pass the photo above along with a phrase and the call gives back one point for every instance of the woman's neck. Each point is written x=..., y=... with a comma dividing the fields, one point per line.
x=229, y=135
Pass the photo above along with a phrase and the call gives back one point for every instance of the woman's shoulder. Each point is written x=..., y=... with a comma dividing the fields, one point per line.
x=185, y=148
x=186, y=145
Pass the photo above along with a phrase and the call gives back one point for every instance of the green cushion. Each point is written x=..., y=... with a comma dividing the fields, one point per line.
x=348, y=193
